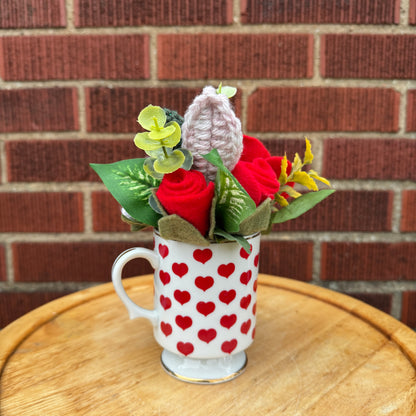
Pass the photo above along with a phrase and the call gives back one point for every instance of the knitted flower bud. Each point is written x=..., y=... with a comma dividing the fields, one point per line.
x=210, y=123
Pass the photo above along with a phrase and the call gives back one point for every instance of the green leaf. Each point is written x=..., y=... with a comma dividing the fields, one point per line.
x=187, y=164
x=300, y=205
x=233, y=237
x=173, y=227
x=169, y=164
x=228, y=91
x=131, y=187
x=162, y=133
x=144, y=142
x=234, y=204
x=259, y=220
x=150, y=116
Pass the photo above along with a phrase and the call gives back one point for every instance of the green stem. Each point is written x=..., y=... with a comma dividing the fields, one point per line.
x=165, y=152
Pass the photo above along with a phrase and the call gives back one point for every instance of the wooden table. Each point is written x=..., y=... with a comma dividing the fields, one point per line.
x=316, y=352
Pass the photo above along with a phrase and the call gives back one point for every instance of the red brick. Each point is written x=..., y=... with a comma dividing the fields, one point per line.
x=15, y=304
x=382, y=301
x=367, y=211
x=32, y=14
x=73, y=261
x=106, y=213
x=409, y=308
x=41, y=212
x=64, y=160
x=287, y=259
x=411, y=111
x=3, y=272
x=412, y=12
x=241, y=56
x=318, y=11
x=369, y=159
x=31, y=58
x=41, y=109
x=323, y=109
x=279, y=147
x=162, y=13
x=368, y=261
x=116, y=109
x=368, y=56
x=408, y=218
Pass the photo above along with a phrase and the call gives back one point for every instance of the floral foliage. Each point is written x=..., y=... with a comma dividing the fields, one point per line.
x=233, y=188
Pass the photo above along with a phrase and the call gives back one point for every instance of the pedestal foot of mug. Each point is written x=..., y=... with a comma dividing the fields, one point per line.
x=204, y=371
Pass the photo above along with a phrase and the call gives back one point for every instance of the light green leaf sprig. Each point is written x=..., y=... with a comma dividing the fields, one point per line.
x=158, y=143
x=226, y=90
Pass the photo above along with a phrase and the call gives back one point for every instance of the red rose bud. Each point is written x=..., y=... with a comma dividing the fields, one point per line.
x=186, y=193
x=252, y=149
x=257, y=178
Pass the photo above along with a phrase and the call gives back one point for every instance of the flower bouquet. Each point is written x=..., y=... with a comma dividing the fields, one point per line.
x=204, y=181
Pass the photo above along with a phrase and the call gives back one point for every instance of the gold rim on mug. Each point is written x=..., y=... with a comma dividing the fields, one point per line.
x=206, y=381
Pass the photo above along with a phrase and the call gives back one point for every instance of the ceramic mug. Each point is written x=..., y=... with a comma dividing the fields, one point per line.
x=204, y=312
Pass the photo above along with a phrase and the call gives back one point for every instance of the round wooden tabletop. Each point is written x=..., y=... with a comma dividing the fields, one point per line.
x=316, y=352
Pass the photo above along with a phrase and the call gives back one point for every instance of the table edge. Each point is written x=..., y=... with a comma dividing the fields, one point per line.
x=14, y=334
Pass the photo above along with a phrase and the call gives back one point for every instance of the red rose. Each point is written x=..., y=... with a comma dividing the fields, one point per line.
x=257, y=178
x=186, y=193
x=252, y=149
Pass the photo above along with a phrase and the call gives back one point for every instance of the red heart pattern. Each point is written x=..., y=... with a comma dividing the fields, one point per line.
x=163, y=250
x=185, y=348
x=205, y=308
x=243, y=252
x=182, y=296
x=207, y=335
x=226, y=320
x=166, y=328
x=183, y=322
x=202, y=256
x=245, y=301
x=245, y=277
x=180, y=269
x=204, y=283
x=165, y=302
x=229, y=346
x=226, y=270
x=245, y=327
x=227, y=296
x=164, y=277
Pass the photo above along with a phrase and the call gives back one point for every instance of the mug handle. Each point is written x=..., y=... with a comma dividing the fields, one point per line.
x=134, y=310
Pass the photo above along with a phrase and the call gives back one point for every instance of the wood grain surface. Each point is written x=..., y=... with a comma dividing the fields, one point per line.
x=316, y=353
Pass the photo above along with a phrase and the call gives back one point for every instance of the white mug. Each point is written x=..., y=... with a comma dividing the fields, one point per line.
x=204, y=312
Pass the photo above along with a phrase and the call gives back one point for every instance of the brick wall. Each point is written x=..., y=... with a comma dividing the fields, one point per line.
x=74, y=75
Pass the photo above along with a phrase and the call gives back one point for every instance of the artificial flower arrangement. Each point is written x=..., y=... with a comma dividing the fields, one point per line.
x=204, y=181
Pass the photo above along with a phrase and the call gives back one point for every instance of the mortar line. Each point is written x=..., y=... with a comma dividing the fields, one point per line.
x=236, y=27
x=397, y=304
x=317, y=57
x=87, y=212
x=70, y=15
x=316, y=263
x=8, y=254
x=82, y=113
x=153, y=53
x=396, y=212
x=236, y=14
x=404, y=13
x=3, y=163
